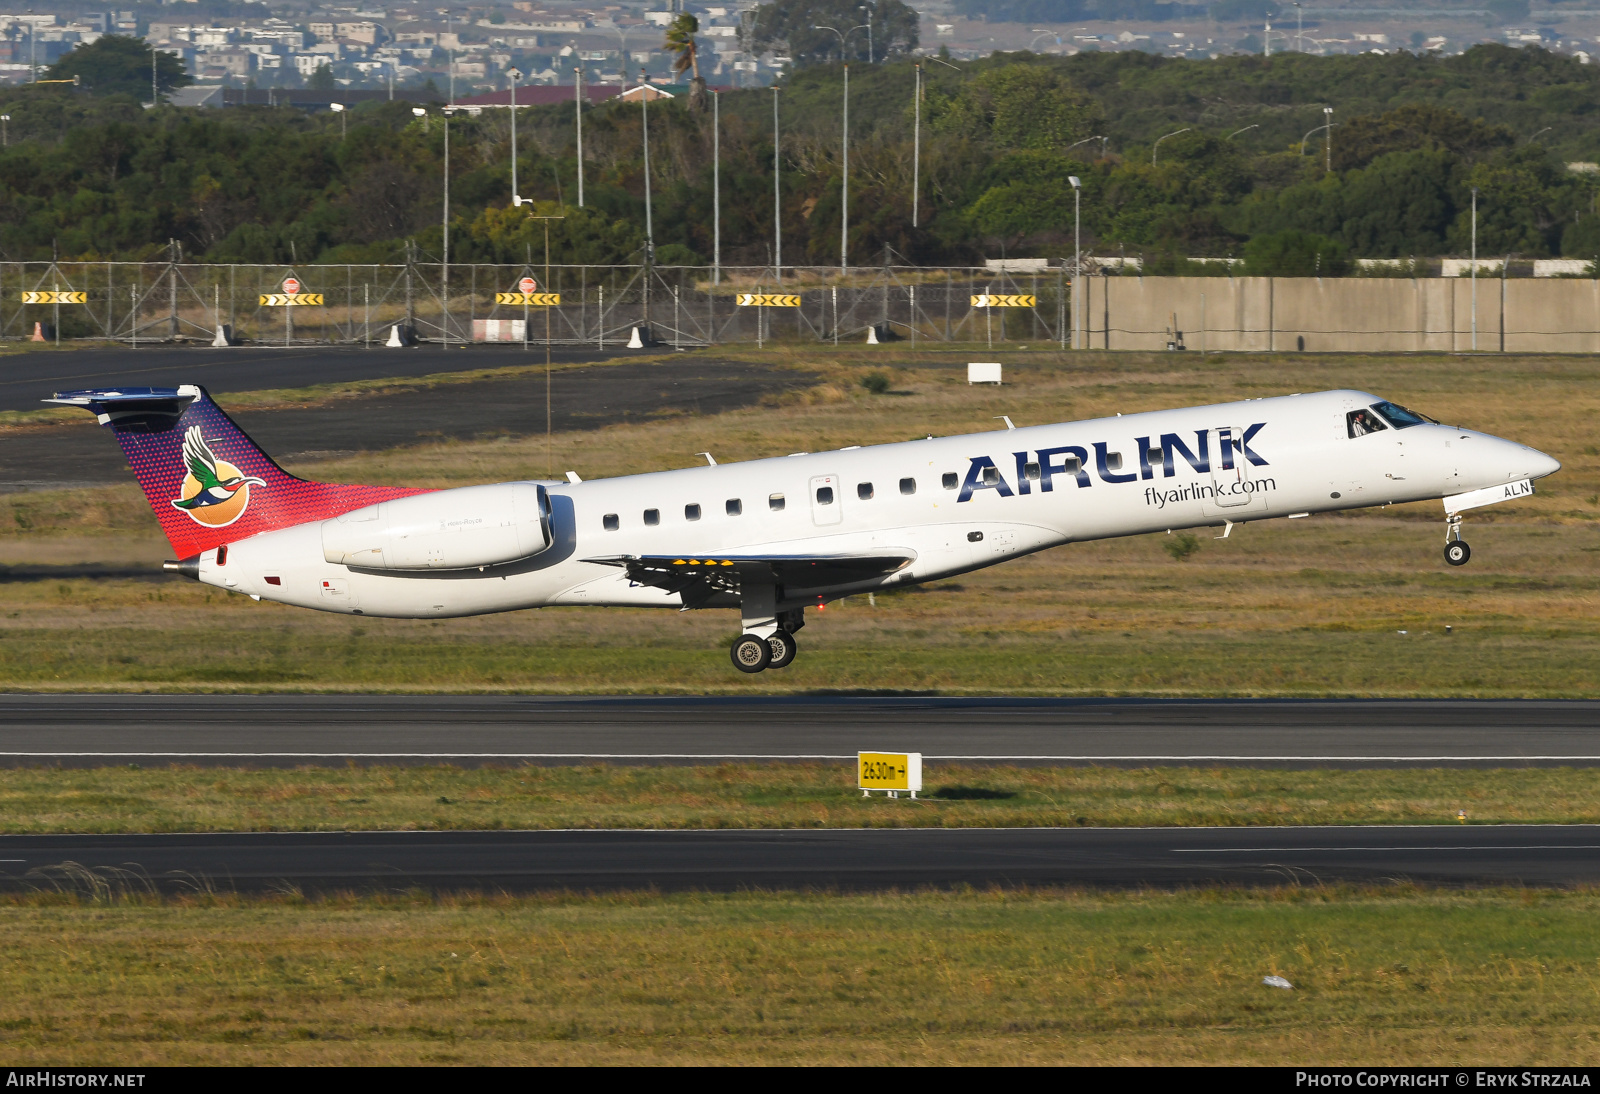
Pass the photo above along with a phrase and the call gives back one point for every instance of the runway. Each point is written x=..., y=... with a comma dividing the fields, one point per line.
x=286, y=730
x=832, y=858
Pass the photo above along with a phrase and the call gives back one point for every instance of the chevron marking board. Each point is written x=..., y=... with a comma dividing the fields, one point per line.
x=55, y=298
x=997, y=300
x=537, y=299
x=290, y=300
x=767, y=300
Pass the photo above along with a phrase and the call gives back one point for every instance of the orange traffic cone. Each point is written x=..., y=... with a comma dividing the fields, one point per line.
x=38, y=333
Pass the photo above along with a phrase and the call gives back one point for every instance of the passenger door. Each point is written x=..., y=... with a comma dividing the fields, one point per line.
x=1234, y=489
x=827, y=504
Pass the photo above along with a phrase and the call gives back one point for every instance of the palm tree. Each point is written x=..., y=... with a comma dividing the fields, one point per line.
x=680, y=40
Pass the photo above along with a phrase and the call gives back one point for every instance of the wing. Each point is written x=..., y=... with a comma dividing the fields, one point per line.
x=698, y=577
x=197, y=456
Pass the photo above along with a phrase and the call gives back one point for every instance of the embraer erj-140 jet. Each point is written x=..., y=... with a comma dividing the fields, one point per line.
x=771, y=537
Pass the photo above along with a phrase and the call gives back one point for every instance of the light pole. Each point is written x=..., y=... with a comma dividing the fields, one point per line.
x=916, y=149
x=444, y=280
x=514, y=74
x=1246, y=129
x=1174, y=133
x=1299, y=27
x=1077, y=247
x=1043, y=34
x=577, y=106
x=1325, y=125
x=777, y=197
x=1077, y=261
x=716, y=187
x=1535, y=137
x=844, y=158
x=338, y=108
x=870, y=51
x=5, y=130
x=649, y=222
x=1085, y=140
x=1474, y=268
x=423, y=114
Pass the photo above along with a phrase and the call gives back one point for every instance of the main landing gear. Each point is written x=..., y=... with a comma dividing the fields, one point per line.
x=752, y=653
x=1456, y=551
x=768, y=641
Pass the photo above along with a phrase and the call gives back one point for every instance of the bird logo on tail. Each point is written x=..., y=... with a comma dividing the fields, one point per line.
x=214, y=492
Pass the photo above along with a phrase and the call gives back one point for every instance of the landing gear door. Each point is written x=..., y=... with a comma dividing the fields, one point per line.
x=1233, y=487
x=827, y=506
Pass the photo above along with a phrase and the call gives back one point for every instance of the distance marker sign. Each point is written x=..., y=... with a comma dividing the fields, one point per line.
x=890, y=771
x=55, y=298
x=287, y=300
x=538, y=299
x=1000, y=300
x=767, y=300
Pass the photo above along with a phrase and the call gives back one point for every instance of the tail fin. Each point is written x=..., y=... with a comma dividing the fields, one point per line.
x=208, y=482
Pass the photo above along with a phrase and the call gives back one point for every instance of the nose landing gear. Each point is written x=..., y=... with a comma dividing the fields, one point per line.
x=1456, y=551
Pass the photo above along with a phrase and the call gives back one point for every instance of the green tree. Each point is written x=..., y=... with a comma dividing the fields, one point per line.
x=791, y=25
x=321, y=79
x=1294, y=254
x=115, y=64
x=681, y=43
x=1017, y=106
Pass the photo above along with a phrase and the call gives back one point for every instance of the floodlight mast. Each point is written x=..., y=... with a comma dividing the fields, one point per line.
x=514, y=75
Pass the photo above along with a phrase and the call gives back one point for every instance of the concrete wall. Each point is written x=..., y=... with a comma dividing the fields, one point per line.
x=1338, y=314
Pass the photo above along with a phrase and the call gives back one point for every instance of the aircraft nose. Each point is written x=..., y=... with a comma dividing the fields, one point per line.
x=1543, y=464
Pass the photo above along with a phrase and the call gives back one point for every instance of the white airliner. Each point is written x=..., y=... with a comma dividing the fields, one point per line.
x=771, y=537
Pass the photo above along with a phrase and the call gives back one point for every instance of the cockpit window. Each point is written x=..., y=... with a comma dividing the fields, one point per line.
x=1400, y=416
x=1362, y=422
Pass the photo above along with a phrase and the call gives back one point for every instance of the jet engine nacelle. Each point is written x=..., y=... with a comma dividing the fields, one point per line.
x=445, y=530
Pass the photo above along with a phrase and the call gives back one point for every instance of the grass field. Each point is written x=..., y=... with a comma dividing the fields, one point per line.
x=1397, y=975
x=1314, y=607
x=190, y=799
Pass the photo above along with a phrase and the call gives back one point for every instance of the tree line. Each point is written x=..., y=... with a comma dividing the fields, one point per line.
x=1177, y=159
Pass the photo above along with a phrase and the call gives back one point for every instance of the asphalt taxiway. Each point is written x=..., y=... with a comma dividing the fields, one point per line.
x=280, y=730
x=873, y=858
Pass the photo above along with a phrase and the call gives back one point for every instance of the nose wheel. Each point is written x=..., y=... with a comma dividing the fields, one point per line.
x=1456, y=551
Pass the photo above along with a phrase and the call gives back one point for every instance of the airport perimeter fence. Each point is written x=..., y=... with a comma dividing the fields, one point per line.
x=600, y=306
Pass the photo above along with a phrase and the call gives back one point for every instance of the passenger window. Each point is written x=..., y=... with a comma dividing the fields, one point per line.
x=652, y=517
x=908, y=486
x=864, y=491
x=775, y=502
x=734, y=507
x=1361, y=422
x=824, y=495
x=1072, y=465
x=1030, y=471
x=611, y=522
x=691, y=512
x=1113, y=461
x=1155, y=455
x=1400, y=416
x=991, y=475
x=951, y=480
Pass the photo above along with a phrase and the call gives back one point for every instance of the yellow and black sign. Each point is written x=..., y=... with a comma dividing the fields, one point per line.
x=55, y=298
x=291, y=300
x=767, y=300
x=537, y=299
x=889, y=771
x=1001, y=300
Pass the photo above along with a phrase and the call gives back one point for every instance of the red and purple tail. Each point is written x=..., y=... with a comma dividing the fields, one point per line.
x=206, y=479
